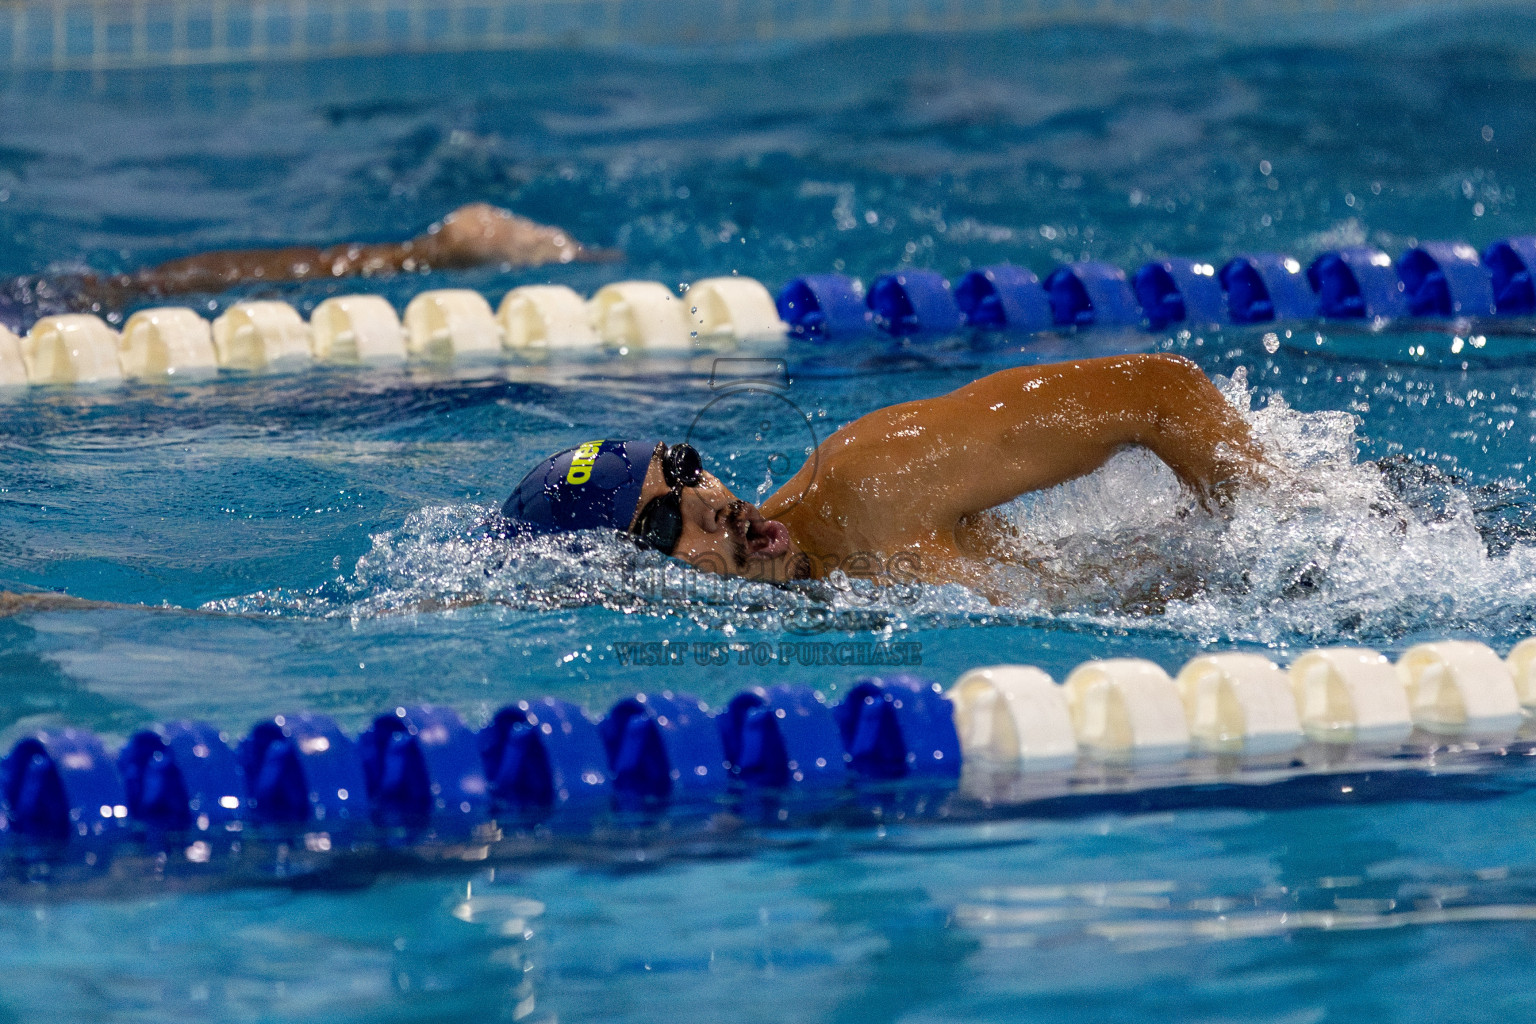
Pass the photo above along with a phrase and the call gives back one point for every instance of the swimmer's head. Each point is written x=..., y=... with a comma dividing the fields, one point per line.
x=589, y=487
x=664, y=501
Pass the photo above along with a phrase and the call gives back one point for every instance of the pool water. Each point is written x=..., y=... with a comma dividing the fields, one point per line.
x=308, y=541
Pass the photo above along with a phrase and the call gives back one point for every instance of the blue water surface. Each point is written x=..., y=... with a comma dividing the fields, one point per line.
x=307, y=541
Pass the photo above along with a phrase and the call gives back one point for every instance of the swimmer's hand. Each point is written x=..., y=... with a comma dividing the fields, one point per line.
x=480, y=233
x=1237, y=467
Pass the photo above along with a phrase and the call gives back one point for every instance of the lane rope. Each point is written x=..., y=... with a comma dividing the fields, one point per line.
x=1446, y=283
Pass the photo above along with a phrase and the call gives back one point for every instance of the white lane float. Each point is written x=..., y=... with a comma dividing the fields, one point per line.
x=450, y=322
x=260, y=335
x=350, y=329
x=1522, y=669
x=13, y=369
x=1239, y=702
x=545, y=316
x=1459, y=686
x=1008, y=714
x=167, y=342
x=1345, y=694
x=733, y=307
x=640, y=315
x=75, y=348
x=1127, y=707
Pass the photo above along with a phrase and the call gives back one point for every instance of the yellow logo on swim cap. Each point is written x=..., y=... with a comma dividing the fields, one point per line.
x=581, y=463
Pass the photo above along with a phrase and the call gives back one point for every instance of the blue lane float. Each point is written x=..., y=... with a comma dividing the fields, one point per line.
x=540, y=760
x=783, y=737
x=60, y=785
x=302, y=769
x=182, y=776
x=544, y=755
x=913, y=302
x=1444, y=280
x=1004, y=298
x=821, y=306
x=1510, y=262
x=663, y=746
x=899, y=727
x=1264, y=287
x=1091, y=294
x=1357, y=284
x=422, y=764
x=1179, y=291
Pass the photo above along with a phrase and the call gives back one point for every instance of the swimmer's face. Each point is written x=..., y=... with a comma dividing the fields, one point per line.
x=723, y=534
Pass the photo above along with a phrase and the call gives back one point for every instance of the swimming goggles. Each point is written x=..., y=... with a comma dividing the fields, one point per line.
x=660, y=523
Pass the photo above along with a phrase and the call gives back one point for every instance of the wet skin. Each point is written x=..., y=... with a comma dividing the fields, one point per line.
x=913, y=482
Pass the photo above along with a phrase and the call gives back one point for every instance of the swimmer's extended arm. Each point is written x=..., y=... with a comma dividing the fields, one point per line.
x=469, y=236
x=923, y=466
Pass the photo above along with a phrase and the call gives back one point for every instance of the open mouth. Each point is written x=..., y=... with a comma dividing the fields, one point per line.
x=766, y=538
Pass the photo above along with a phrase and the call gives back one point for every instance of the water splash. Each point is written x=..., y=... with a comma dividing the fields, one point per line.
x=1334, y=549
x=441, y=559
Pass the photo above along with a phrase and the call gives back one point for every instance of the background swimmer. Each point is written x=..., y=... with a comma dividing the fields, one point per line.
x=473, y=235
x=912, y=481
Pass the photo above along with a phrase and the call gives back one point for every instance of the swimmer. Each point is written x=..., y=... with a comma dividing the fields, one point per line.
x=474, y=235
x=914, y=482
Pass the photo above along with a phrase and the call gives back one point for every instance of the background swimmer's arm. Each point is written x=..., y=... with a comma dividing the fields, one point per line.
x=921, y=467
x=469, y=236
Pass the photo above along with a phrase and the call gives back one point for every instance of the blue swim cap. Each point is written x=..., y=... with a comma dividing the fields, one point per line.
x=588, y=487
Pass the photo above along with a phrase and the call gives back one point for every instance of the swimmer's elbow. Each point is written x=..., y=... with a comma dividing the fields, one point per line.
x=1173, y=390
x=1165, y=373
